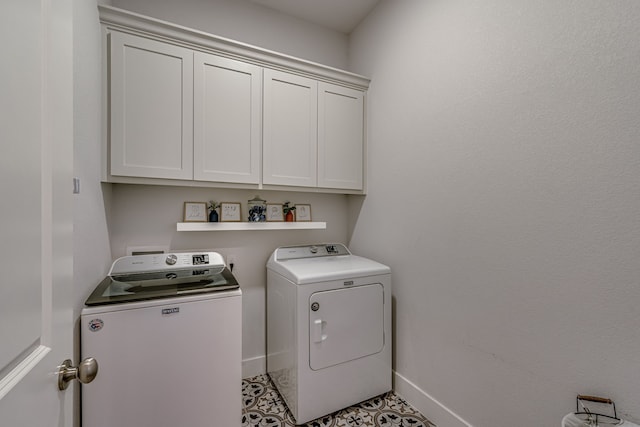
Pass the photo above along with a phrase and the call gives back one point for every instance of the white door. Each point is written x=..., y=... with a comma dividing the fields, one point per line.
x=345, y=324
x=340, y=137
x=290, y=129
x=151, y=108
x=227, y=120
x=36, y=132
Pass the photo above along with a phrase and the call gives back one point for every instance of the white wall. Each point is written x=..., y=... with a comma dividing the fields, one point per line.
x=147, y=216
x=92, y=253
x=505, y=194
x=247, y=22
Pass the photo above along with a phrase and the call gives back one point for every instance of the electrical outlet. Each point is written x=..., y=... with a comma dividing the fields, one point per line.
x=231, y=262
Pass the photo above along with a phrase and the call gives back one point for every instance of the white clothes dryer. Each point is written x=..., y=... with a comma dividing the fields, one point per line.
x=328, y=328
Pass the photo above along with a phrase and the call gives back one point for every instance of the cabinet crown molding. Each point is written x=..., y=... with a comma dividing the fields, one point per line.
x=134, y=23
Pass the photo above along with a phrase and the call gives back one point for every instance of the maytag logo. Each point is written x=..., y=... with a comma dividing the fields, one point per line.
x=173, y=310
x=95, y=325
x=348, y=283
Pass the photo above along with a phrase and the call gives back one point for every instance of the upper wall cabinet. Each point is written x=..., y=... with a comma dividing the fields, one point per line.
x=290, y=129
x=151, y=108
x=227, y=120
x=188, y=108
x=313, y=133
x=340, y=137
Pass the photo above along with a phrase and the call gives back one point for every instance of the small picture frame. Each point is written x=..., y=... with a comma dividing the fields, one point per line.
x=195, y=212
x=303, y=212
x=274, y=212
x=230, y=212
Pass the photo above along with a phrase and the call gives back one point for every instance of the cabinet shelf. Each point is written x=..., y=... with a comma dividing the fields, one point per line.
x=246, y=226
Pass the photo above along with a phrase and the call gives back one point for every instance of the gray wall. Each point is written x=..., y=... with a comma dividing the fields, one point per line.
x=109, y=218
x=147, y=216
x=504, y=163
x=92, y=252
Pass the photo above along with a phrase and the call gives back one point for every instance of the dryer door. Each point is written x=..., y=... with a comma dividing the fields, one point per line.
x=345, y=324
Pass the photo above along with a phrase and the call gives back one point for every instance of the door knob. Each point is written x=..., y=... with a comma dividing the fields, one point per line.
x=85, y=372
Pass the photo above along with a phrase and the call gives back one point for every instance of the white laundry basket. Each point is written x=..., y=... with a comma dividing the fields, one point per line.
x=584, y=417
x=582, y=420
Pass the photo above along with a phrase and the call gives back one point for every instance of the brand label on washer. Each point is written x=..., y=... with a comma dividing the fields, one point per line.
x=348, y=282
x=172, y=310
x=95, y=325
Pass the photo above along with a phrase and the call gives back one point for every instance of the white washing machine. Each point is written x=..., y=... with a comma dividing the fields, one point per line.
x=166, y=330
x=328, y=328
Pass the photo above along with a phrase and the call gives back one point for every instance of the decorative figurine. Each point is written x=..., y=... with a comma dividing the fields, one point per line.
x=257, y=209
x=288, y=211
x=213, y=214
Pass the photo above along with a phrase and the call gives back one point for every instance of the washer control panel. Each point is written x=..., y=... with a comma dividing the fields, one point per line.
x=311, y=251
x=161, y=262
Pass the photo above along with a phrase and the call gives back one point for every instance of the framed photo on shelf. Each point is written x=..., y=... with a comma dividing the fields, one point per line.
x=303, y=212
x=274, y=212
x=195, y=212
x=230, y=212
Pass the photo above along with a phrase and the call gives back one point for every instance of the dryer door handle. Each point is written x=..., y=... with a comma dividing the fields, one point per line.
x=318, y=329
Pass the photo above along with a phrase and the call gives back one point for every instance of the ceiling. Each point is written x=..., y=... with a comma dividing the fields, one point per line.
x=339, y=15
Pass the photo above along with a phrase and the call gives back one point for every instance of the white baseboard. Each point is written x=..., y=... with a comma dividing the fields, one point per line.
x=435, y=411
x=254, y=366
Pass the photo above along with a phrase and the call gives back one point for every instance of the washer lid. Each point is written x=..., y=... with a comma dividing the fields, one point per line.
x=303, y=271
x=152, y=276
x=147, y=286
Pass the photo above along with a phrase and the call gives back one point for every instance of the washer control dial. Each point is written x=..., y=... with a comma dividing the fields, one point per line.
x=171, y=259
x=313, y=249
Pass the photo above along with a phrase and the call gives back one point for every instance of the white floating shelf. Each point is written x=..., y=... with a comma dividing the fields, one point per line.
x=245, y=226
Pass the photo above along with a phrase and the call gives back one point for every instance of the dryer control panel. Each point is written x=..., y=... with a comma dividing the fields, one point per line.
x=311, y=251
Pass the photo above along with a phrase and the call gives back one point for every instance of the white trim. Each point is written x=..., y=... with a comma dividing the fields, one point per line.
x=428, y=406
x=125, y=21
x=254, y=366
x=114, y=179
x=47, y=142
x=8, y=382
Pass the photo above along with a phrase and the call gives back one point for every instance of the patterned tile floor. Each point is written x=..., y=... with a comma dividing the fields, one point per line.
x=263, y=407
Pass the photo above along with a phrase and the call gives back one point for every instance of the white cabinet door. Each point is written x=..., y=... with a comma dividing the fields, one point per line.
x=151, y=108
x=340, y=137
x=290, y=129
x=227, y=120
